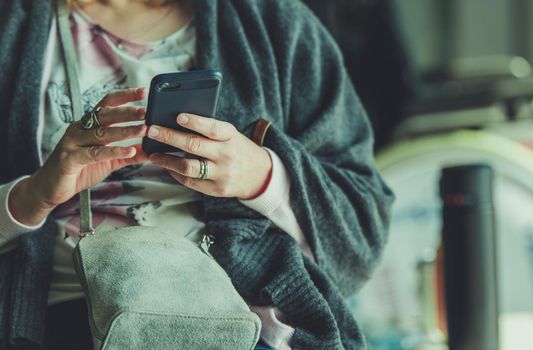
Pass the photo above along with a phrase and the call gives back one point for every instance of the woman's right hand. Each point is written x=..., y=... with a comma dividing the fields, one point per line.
x=81, y=159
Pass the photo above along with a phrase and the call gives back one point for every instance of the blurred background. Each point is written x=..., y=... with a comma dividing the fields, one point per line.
x=447, y=83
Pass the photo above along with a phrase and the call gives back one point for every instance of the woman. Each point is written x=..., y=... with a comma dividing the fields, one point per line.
x=299, y=224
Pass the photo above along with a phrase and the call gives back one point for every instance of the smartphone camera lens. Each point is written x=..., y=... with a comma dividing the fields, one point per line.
x=169, y=86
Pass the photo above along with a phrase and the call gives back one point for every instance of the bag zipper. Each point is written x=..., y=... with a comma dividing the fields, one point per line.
x=206, y=243
x=83, y=282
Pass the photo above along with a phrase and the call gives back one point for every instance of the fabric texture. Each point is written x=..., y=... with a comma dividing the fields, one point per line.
x=169, y=293
x=9, y=227
x=284, y=66
x=275, y=204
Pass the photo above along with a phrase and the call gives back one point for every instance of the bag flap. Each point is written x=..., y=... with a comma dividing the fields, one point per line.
x=142, y=269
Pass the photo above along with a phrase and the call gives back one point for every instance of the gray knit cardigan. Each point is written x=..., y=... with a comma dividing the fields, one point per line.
x=279, y=63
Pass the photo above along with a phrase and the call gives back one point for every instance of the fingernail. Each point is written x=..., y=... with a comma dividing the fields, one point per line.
x=139, y=90
x=130, y=150
x=154, y=131
x=183, y=119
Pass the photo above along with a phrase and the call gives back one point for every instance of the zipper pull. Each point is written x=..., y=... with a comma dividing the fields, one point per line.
x=86, y=234
x=206, y=243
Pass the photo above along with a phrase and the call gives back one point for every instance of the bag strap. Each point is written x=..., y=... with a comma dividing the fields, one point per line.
x=69, y=57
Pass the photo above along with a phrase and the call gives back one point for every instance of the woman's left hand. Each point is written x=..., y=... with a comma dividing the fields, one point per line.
x=237, y=167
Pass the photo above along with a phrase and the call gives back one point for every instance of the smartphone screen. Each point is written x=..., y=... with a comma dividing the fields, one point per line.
x=194, y=92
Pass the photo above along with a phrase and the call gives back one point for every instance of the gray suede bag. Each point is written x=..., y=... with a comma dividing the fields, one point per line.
x=150, y=289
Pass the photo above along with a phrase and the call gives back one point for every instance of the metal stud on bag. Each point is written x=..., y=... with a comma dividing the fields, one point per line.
x=206, y=242
x=86, y=234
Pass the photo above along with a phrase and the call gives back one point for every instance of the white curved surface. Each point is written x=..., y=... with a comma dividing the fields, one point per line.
x=390, y=301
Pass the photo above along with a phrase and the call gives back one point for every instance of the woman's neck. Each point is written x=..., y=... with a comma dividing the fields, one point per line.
x=137, y=21
x=123, y=5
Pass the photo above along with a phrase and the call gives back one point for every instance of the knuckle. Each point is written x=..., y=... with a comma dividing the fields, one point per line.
x=192, y=123
x=63, y=156
x=64, y=150
x=114, y=151
x=125, y=132
x=100, y=133
x=94, y=152
x=230, y=127
x=225, y=175
x=193, y=143
x=214, y=129
x=165, y=136
x=187, y=168
x=226, y=155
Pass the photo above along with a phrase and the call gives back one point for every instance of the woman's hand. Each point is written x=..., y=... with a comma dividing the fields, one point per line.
x=81, y=159
x=237, y=166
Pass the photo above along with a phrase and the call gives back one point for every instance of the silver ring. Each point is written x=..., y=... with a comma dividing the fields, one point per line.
x=204, y=169
x=90, y=119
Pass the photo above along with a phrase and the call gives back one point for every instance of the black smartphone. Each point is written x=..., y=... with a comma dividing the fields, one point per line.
x=194, y=92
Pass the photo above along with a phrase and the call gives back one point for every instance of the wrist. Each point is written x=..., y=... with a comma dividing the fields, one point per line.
x=264, y=182
x=26, y=205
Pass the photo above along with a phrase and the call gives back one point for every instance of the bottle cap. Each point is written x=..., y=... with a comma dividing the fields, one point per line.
x=467, y=185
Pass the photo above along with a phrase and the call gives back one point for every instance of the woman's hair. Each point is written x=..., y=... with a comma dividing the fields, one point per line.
x=148, y=2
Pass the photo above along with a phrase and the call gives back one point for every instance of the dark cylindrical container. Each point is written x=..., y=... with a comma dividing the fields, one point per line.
x=469, y=242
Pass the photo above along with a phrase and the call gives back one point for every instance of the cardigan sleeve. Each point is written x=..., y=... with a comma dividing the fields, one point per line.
x=10, y=228
x=275, y=205
x=326, y=144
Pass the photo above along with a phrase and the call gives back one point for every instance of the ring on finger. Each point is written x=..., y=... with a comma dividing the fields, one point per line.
x=90, y=119
x=204, y=169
